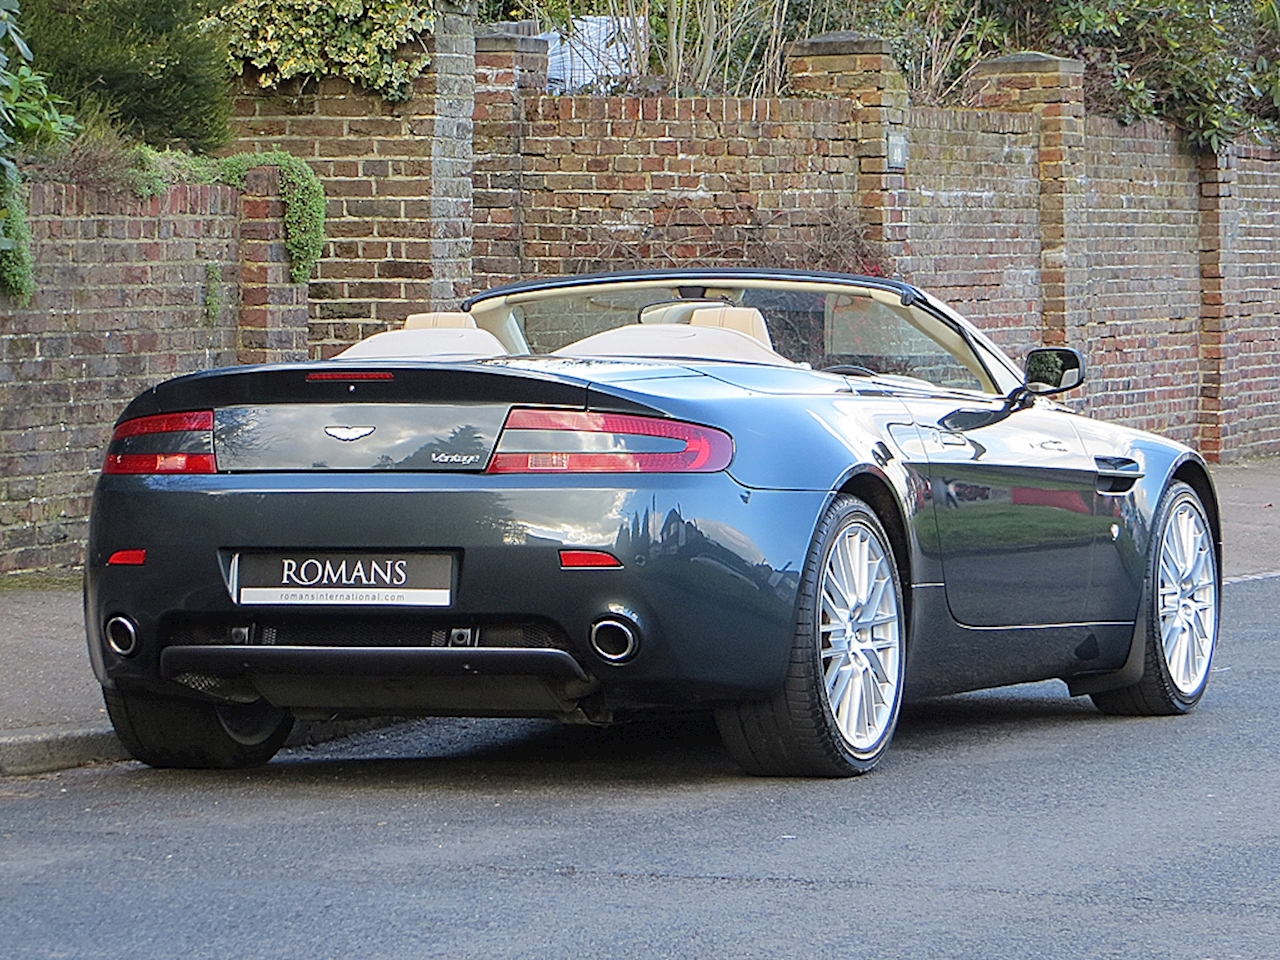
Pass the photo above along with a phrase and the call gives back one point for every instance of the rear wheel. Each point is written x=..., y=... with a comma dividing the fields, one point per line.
x=1181, y=625
x=172, y=732
x=838, y=709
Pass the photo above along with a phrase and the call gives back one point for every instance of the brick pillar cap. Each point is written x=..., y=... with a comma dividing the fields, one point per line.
x=509, y=43
x=1031, y=61
x=837, y=44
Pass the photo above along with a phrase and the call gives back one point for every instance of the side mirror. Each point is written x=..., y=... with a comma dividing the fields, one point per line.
x=1054, y=370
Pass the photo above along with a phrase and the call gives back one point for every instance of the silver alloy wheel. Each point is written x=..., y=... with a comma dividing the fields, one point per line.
x=859, y=636
x=1188, y=597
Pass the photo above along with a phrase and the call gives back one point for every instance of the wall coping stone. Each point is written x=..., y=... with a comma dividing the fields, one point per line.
x=509, y=43
x=1030, y=61
x=838, y=43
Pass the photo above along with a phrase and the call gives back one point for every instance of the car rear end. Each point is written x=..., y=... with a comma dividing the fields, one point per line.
x=351, y=539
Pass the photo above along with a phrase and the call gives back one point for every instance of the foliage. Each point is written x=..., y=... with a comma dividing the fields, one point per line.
x=361, y=40
x=33, y=115
x=1167, y=58
x=686, y=47
x=17, y=269
x=303, y=196
x=155, y=66
x=213, y=299
x=936, y=42
x=29, y=116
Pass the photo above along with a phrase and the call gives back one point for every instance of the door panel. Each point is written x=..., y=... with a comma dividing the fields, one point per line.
x=1014, y=505
x=1119, y=564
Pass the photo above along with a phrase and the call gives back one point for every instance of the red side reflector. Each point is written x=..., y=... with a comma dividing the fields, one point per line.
x=160, y=463
x=165, y=423
x=354, y=375
x=583, y=559
x=127, y=558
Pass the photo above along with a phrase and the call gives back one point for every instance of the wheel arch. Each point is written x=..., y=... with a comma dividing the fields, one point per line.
x=878, y=494
x=1194, y=474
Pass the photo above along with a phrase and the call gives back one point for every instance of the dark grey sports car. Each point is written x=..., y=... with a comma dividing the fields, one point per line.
x=789, y=498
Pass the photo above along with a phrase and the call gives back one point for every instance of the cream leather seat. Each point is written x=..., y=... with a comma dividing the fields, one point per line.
x=675, y=341
x=746, y=320
x=429, y=343
x=436, y=319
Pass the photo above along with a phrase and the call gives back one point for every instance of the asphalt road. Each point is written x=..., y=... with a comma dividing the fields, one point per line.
x=1017, y=824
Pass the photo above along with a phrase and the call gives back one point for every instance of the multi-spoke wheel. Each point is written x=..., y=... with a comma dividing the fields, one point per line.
x=1182, y=623
x=839, y=707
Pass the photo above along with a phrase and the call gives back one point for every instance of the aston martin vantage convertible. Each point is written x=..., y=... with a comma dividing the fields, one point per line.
x=788, y=499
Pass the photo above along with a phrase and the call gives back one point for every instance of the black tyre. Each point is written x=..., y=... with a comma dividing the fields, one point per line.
x=172, y=732
x=839, y=706
x=1181, y=619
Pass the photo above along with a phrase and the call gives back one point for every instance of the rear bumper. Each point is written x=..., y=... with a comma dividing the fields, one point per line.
x=709, y=579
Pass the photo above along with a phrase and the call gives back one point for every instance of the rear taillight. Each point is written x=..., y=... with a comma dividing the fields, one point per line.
x=570, y=441
x=164, y=443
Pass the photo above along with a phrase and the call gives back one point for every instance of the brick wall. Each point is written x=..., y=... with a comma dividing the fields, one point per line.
x=1142, y=295
x=397, y=180
x=571, y=184
x=973, y=218
x=1251, y=361
x=129, y=293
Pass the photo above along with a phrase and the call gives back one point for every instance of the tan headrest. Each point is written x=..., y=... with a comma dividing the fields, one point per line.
x=439, y=318
x=746, y=320
x=677, y=312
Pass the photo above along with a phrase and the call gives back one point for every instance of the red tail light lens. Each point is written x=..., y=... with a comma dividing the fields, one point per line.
x=164, y=443
x=570, y=441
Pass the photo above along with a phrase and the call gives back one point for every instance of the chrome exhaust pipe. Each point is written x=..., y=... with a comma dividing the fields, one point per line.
x=615, y=640
x=122, y=636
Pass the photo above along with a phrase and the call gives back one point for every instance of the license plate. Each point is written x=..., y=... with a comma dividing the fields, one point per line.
x=345, y=579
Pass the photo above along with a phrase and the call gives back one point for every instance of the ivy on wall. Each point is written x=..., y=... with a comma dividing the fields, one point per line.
x=363, y=41
x=303, y=197
x=154, y=171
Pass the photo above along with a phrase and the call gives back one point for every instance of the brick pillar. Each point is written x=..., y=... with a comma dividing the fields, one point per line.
x=453, y=67
x=1219, y=227
x=273, y=309
x=1052, y=89
x=862, y=69
x=397, y=178
x=508, y=69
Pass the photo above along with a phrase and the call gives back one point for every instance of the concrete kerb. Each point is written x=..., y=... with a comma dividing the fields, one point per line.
x=48, y=749
x=45, y=749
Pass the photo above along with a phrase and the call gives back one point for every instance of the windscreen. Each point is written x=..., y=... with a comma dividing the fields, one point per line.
x=811, y=324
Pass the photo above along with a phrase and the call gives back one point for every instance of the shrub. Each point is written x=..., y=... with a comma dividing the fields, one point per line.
x=156, y=66
x=361, y=40
x=29, y=116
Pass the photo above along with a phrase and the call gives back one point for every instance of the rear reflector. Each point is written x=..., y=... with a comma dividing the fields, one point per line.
x=127, y=558
x=347, y=377
x=582, y=559
x=160, y=463
x=163, y=443
x=571, y=441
